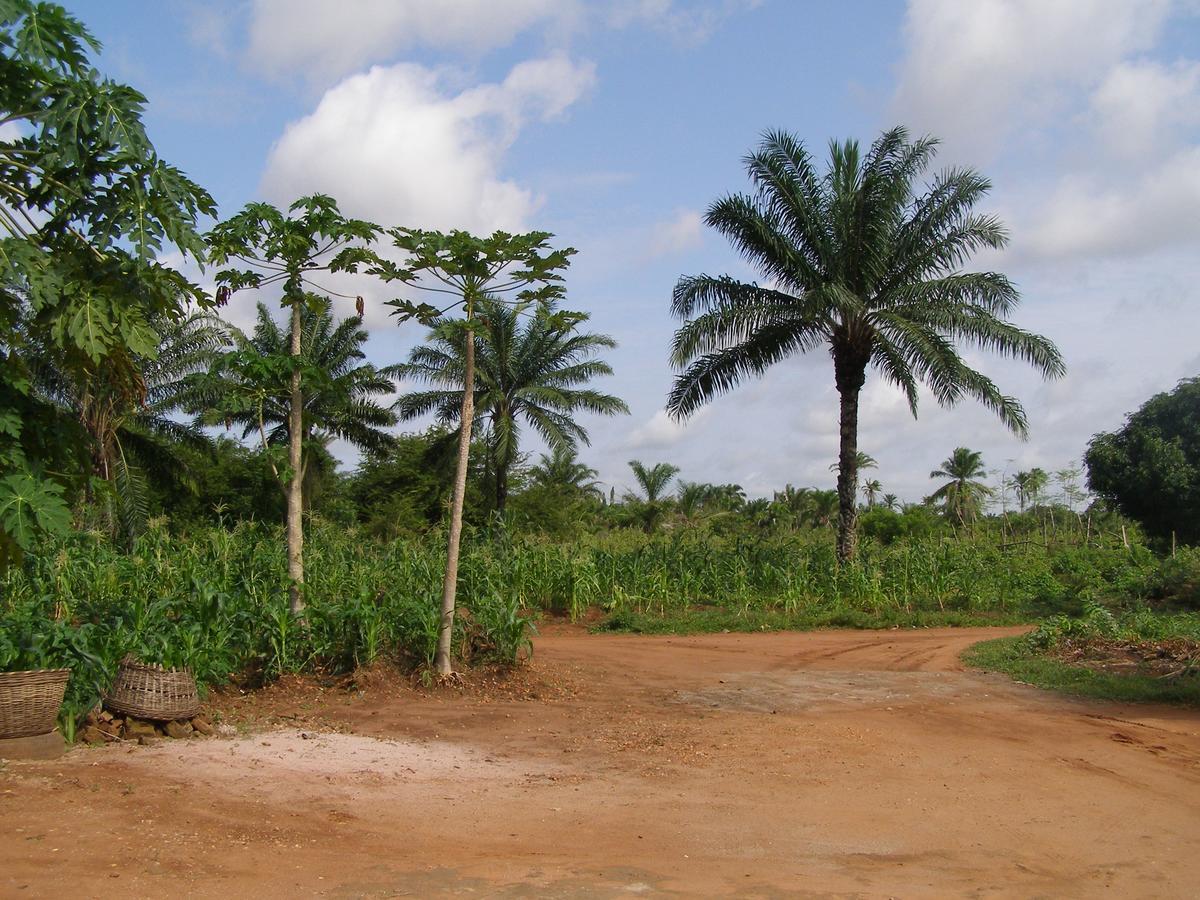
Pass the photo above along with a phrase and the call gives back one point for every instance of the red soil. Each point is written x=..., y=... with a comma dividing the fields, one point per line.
x=844, y=763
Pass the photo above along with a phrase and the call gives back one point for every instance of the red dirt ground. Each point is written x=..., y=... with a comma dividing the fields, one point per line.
x=851, y=764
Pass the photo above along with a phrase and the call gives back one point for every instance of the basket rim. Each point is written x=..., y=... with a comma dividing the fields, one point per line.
x=132, y=662
x=34, y=671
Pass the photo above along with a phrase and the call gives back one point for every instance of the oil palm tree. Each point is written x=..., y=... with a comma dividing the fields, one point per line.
x=963, y=494
x=654, y=482
x=891, y=501
x=1029, y=486
x=861, y=461
x=871, y=490
x=341, y=401
x=561, y=468
x=530, y=372
x=864, y=262
x=251, y=387
x=134, y=438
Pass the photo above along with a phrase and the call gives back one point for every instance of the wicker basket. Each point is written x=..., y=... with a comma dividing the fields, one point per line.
x=152, y=692
x=29, y=701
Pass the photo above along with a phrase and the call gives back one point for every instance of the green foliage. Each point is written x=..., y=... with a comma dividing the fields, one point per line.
x=29, y=506
x=250, y=386
x=865, y=262
x=1150, y=468
x=963, y=495
x=469, y=268
x=284, y=247
x=216, y=602
x=531, y=374
x=1016, y=658
x=86, y=208
x=403, y=491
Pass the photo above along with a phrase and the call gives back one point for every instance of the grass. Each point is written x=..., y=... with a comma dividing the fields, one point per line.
x=707, y=620
x=1018, y=658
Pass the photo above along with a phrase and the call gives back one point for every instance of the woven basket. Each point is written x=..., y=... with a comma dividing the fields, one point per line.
x=29, y=701
x=152, y=692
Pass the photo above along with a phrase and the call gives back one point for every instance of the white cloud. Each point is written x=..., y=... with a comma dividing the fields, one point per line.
x=661, y=431
x=1098, y=214
x=683, y=232
x=1140, y=107
x=327, y=40
x=691, y=23
x=394, y=147
x=975, y=72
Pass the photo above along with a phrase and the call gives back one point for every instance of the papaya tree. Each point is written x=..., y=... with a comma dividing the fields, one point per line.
x=87, y=208
x=288, y=248
x=464, y=273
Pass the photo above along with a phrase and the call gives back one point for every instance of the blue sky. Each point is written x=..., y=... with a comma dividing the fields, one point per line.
x=614, y=124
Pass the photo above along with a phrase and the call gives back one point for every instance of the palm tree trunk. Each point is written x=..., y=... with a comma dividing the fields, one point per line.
x=850, y=375
x=501, y=485
x=450, y=585
x=295, y=494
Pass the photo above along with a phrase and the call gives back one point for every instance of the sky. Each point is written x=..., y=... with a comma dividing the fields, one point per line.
x=614, y=125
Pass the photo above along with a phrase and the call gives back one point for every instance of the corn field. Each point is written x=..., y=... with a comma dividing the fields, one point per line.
x=217, y=601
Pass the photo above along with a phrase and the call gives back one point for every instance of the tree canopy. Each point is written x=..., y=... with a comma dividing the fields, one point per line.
x=1149, y=469
x=865, y=262
x=86, y=208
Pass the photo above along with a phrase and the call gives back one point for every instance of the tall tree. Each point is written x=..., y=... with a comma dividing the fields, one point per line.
x=520, y=270
x=532, y=372
x=86, y=209
x=857, y=261
x=270, y=247
x=1149, y=468
x=963, y=494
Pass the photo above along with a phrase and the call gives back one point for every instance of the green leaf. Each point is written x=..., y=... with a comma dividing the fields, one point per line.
x=30, y=506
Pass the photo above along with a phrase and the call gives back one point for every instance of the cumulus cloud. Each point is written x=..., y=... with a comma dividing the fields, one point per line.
x=1097, y=215
x=975, y=72
x=661, y=431
x=1143, y=107
x=682, y=232
x=395, y=147
x=326, y=41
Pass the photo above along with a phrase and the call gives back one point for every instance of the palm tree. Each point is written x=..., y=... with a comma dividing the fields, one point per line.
x=860, y=262
x=529, y=372
x=247, y=389
x=691, y=501
x=823, y=508
x=963, y=494
x=134, y=438
x=871, y=490
x=654, y=482
x=891, y=501
x=861, y=461
x=1029, y=486
x=561, y=468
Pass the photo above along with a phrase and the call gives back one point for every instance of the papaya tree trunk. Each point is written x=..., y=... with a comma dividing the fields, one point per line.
x=450, y=585
x=295, y=494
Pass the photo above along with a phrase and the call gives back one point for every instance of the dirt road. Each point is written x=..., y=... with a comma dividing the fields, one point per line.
x=768, y=765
